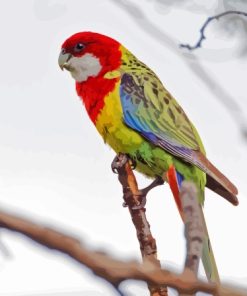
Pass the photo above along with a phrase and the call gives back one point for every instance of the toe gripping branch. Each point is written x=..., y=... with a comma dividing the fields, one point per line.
x=134, y=198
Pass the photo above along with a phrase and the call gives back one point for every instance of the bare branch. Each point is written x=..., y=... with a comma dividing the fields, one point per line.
x=193, y=227
x=135, y=200
x=150, y=28
x=204, y=26
x=112, y=270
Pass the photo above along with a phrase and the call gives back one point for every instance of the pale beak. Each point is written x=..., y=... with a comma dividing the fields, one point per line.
x=63, y=60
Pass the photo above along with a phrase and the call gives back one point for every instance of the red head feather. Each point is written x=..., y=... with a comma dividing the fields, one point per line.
x=101, y=46
x=107, y=50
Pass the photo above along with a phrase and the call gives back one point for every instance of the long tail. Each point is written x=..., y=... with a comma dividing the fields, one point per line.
x=175, y=180
x=208, y=259
x=216, y=181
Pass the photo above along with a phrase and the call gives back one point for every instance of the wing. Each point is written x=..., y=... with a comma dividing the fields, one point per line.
x=149, y=109
x=152, y=111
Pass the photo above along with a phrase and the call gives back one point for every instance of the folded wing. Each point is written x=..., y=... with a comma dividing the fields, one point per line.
x=150, y=109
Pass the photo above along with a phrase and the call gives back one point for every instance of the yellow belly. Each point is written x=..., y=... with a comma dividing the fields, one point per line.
x=151, y=160
x=112, y=128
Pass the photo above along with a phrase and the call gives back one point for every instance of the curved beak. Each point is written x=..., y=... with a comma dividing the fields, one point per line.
x=63, y=60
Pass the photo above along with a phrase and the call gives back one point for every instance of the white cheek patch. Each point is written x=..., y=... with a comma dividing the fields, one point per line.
x=83, y=67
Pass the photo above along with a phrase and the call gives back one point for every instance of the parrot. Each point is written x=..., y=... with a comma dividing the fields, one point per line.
x=136, y=115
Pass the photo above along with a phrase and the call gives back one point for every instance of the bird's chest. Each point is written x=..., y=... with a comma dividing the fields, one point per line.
x=110, y=124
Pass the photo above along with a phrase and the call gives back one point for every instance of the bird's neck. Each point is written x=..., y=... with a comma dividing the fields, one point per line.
x=93, y=92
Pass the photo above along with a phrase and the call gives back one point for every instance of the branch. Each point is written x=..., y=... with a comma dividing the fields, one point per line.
x=204, y=26
x=193, y=225
x=155, y=32
x=195, y=232
x=135, y=200
x=112, y=270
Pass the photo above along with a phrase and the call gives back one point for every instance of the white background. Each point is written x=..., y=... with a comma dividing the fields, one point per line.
x=55, y=168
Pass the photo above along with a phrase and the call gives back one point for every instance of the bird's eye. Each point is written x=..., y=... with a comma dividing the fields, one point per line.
x=79, y=47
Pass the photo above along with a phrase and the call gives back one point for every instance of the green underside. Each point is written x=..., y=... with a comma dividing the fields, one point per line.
x=152, y=161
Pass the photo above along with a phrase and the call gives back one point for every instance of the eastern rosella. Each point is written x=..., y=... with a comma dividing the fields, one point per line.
x=137, y=116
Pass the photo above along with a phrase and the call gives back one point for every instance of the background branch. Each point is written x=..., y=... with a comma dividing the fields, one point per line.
x=204, y=26
x=112, y=270
x=190, y=59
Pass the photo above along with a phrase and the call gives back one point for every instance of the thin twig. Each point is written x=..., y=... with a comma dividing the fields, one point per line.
x=112, y=270
x=204, y=26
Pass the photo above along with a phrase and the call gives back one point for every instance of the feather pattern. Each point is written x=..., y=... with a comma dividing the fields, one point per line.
x=166, y=125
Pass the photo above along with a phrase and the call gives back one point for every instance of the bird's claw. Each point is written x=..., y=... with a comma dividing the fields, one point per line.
x=140, y=202
x=120, y=160
x=134, y=202
x=133, y=164
x=125, y=205
x=114, y=170
x=114, y=165
x=142, y=198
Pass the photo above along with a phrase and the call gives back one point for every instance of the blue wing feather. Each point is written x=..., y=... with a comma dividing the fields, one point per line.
x=146, y=116
x=148, y=129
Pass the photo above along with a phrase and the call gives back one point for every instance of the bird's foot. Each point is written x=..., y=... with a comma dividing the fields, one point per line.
x=134, y=198
x=119, y=162
x=157, y=182
x=141, y=198
x=133, y=163
x=138, y=201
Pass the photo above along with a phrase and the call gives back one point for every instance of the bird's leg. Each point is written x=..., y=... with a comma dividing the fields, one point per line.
x=143, y=196
x=123, y=166
x=120, y=160
x=122, y=163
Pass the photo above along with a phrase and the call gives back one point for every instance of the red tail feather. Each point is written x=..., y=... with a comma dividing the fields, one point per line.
x=173, y=182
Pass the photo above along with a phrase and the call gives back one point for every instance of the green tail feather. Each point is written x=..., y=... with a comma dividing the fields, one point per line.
x=208, y=259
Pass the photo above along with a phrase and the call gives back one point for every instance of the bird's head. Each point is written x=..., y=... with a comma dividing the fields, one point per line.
x=88, y=54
